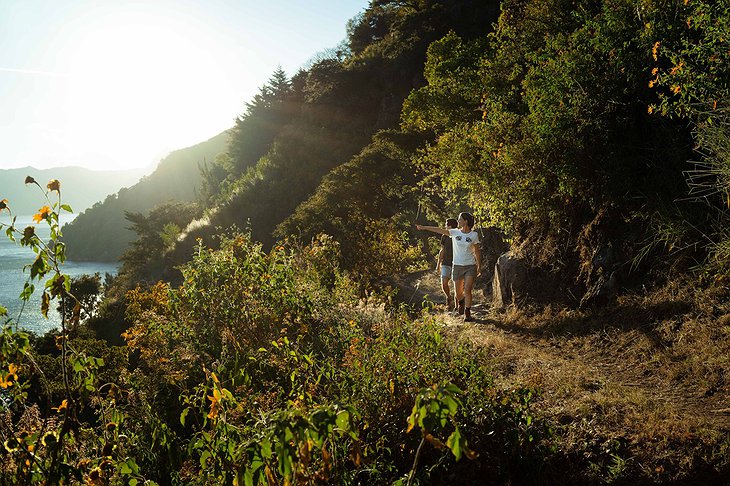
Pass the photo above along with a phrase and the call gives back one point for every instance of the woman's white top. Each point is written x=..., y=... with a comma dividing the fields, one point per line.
x=462, y=243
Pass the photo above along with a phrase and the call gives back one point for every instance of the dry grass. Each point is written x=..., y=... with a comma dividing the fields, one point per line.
x=641, y=389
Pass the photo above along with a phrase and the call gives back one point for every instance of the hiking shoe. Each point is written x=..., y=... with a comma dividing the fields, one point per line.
x=461, y=307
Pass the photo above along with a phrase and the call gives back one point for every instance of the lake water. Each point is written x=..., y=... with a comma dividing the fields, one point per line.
x=12, y=278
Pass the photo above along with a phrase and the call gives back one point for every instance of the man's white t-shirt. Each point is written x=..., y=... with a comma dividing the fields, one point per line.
x=463, y=255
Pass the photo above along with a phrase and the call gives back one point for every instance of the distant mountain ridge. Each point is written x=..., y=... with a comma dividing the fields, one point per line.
x=101, y=232
x=80, y=187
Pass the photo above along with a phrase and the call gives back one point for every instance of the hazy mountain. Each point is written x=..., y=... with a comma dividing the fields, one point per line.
x=80, y=188
x=101, y=232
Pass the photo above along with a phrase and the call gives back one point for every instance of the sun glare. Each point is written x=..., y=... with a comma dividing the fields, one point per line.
x=133, y=82
x=118, y=84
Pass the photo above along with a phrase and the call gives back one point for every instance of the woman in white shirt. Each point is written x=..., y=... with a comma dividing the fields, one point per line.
x=467, y=262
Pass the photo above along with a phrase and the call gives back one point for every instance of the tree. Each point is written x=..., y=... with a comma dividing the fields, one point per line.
x=545, y=126
x=266, y=114
x=88, y=290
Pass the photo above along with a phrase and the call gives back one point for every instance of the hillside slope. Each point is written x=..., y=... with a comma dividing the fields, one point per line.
x=81, y=187
x=100, y=233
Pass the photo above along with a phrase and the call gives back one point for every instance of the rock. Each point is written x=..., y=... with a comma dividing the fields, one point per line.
x=602, y=290
x=509, y=283
x=601, y=279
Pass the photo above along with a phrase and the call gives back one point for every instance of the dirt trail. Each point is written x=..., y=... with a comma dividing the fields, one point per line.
x=620, y=375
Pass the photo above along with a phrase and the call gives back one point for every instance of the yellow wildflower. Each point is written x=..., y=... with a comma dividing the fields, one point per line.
x=7, y=380
x=215, y=403
x=650, y=110
x=655, y=50
x=4, y=205
x=676, y=89
x=63, y=406
x=42, y=214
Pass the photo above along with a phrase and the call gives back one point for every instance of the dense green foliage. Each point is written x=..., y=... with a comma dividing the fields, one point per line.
x=260, y=343
x=567, y=125
x=260, y=368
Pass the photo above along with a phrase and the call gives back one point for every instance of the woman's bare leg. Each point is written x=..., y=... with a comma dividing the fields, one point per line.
x=459, y=291
x=446, y=288
x=468, y=286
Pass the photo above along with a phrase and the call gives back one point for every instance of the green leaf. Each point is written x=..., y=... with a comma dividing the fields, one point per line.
x=456, y=443
x=266, y=449
x=78, y=365
x=204, y=458
x=66, y=208
x=343, y=420
x=28, y=290
x=450, y=403
x=38, y=269
x=183, y=415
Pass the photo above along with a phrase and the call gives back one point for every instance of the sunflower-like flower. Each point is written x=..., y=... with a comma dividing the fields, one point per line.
x=30, y=180
x=42, y=214
x=28, y=234
x=12, y=444
x=54, y=185
x=95, y=476
x=49, y=439
x=4, y=205
x=12, y=375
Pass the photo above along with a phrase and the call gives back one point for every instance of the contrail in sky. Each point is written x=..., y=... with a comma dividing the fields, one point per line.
x=33, y=71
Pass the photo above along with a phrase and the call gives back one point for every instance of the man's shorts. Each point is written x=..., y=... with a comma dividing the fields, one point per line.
x=445, y=271
x=461, y=271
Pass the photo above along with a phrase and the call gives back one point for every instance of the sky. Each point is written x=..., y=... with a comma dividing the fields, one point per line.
x=118, y=84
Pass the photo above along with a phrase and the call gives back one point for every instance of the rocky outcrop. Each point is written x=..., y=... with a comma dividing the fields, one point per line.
x=509, y=283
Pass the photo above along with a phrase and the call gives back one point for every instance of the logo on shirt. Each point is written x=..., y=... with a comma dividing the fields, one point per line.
x=458, y=238
x=468, y=240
